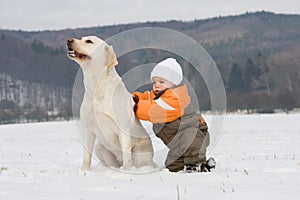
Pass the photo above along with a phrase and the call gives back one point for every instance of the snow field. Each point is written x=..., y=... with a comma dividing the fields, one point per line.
x=257, y=158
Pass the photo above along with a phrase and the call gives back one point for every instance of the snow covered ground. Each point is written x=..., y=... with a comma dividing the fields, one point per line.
x=258, y=157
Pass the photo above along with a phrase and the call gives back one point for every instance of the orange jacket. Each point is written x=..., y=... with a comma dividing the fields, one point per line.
x=168, y=107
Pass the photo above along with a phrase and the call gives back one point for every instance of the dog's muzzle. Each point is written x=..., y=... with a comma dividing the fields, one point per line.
x=71, y=52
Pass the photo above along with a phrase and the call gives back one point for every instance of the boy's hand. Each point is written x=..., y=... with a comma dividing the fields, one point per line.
x=136, y=101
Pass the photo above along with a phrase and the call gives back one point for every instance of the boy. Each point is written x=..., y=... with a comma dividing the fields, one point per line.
x=174, y=119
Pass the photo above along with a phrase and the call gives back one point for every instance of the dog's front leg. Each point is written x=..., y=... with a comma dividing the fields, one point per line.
x=126, y=151
x=88, y=145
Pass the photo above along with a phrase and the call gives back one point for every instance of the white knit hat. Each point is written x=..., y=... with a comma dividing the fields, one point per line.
x=168, y=69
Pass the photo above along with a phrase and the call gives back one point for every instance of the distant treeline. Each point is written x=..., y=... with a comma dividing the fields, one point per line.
x=257, y=55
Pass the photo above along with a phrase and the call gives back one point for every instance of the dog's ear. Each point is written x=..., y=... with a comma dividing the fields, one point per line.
x=111, y=58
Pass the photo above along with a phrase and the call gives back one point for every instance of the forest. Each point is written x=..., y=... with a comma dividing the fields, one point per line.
x=257, y=55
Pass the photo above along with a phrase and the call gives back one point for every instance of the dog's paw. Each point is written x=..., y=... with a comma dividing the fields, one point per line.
x=84, y=173
x=85, y=170
x=126, y=167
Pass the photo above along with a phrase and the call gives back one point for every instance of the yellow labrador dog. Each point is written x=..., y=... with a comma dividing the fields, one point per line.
x=106, y=112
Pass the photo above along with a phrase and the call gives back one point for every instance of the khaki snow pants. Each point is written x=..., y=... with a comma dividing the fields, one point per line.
x=187, y=141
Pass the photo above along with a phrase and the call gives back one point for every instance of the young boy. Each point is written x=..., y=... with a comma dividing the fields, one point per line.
x=175, y=121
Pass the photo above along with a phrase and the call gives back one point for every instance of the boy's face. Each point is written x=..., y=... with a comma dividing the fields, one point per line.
x=159, y=84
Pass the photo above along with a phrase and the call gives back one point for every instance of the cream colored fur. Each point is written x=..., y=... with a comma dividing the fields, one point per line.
x=107, y=109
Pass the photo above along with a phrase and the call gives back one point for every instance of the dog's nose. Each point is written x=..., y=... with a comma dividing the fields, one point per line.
x=70, y=40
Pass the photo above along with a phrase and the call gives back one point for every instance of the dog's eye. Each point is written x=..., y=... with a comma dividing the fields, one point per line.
x=89, y=41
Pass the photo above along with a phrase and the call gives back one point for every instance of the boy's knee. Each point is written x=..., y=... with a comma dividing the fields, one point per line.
x=176, y=166
x=196, y=159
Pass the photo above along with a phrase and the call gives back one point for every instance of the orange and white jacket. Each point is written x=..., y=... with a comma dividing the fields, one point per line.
x=166, y=107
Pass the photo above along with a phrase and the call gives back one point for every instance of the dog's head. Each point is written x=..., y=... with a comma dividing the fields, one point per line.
x=91, y=49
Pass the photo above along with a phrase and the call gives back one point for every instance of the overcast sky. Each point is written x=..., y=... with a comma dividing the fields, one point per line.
x=62, y=14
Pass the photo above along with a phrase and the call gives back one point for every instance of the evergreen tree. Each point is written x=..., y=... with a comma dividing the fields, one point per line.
x=235, y=80
x=261, y=62
x=252, y=73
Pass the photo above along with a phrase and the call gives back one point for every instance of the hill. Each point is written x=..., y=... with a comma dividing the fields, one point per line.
x=257, y=55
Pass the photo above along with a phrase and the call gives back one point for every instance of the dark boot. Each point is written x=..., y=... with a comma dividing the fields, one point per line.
x=203, y=167
x=208, y=165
